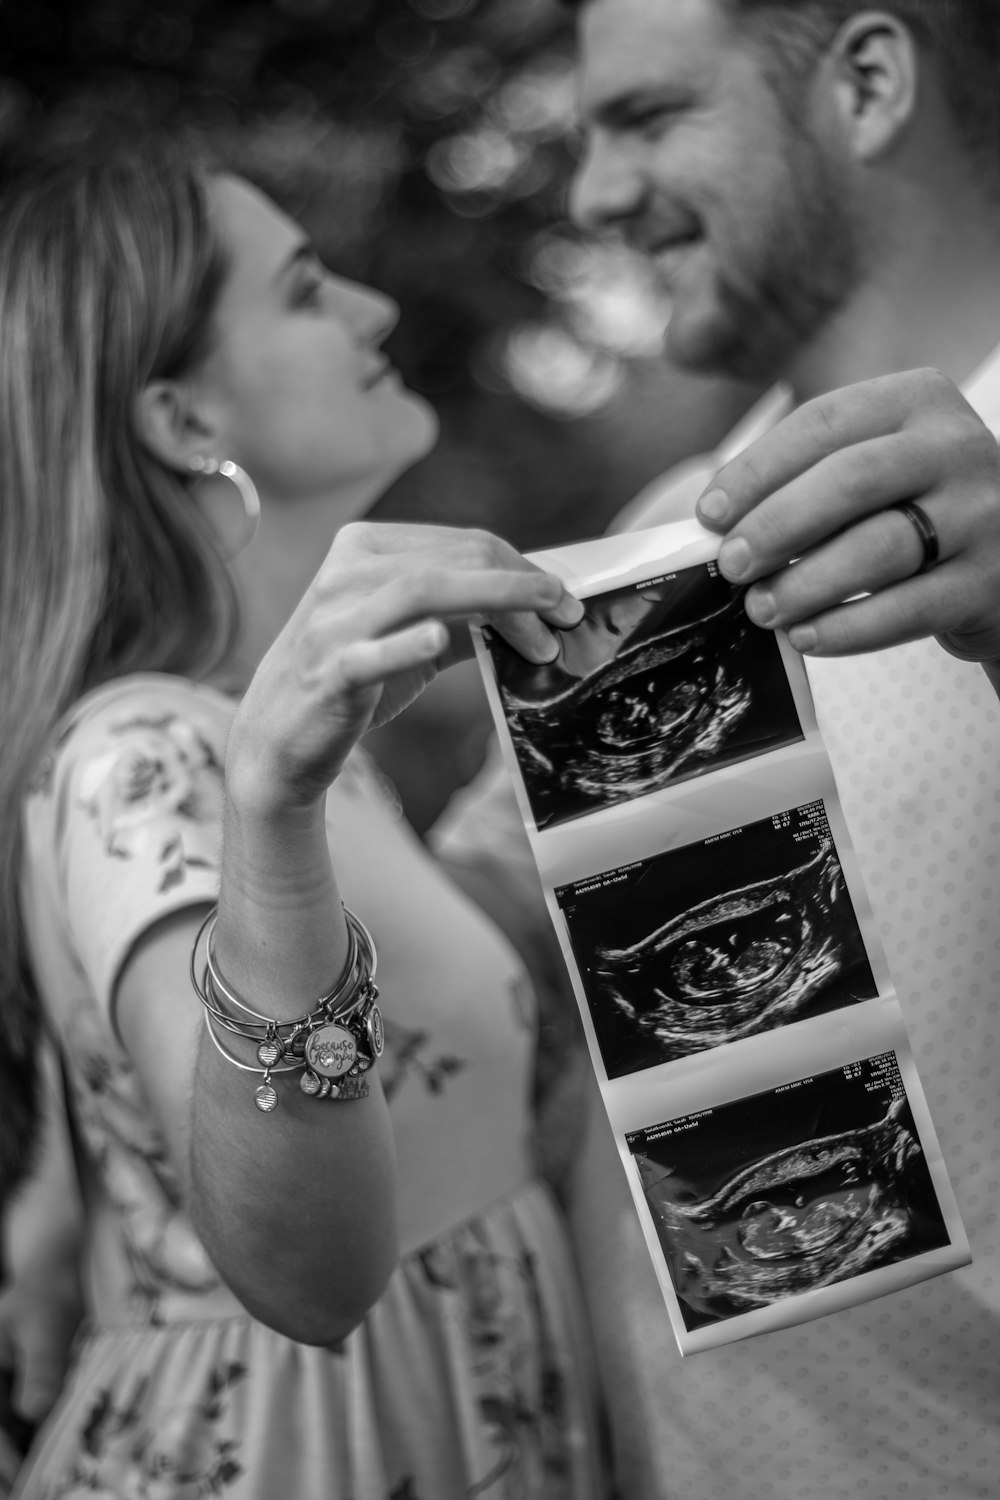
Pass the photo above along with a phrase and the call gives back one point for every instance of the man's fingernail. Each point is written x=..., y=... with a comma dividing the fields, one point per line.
x=714, y=506
x=760, y=606
x=735, y=557
x=802, y=637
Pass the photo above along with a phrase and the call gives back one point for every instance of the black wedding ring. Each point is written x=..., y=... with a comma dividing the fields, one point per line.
x=924, y=527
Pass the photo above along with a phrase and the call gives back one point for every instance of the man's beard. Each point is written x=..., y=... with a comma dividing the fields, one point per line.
x=800, y=270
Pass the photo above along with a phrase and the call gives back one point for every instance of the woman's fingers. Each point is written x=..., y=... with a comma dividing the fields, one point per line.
x=530, y=634
x=388, y=607
x=521, y=605
x=363, y=665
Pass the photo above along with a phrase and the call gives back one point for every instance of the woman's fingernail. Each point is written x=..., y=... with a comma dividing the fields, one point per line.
x=760, y=606
x=548, y=651
x=802, y=637
x=735, y=557
x=551, y=591
x=714, y=506
x=570, y=611
x=433, y=637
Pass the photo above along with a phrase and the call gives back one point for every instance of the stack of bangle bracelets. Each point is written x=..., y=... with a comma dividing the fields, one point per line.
x=332, y=1046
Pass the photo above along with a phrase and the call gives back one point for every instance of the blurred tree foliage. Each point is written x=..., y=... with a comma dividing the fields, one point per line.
x=426, y=146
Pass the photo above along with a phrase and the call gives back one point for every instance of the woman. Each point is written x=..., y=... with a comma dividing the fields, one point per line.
x=356, y=1296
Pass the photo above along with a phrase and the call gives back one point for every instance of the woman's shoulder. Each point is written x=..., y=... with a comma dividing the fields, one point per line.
x=152, y=717
x=152, y=696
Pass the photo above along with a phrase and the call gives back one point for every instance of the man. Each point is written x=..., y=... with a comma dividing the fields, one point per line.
x=819, y=186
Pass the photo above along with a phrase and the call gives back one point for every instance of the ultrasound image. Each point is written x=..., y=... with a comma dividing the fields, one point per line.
x=658, y=683
x=743, y=1226
x=717, y=941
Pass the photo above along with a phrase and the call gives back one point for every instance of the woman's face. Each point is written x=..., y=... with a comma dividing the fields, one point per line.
x=300, y=393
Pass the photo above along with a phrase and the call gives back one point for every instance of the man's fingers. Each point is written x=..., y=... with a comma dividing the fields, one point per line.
x=846, y=488
x=881, y=551
x=908, y=611
x=826, y=425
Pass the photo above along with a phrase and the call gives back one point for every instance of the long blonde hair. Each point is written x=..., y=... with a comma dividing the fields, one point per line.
x=109, y=273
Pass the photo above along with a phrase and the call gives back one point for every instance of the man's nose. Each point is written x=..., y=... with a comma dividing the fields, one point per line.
x=605, y=190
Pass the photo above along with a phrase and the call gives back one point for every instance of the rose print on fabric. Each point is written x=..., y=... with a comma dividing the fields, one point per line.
x=408, y=1051
x=494, y=1307
x=159, y=772
x=188, y=1452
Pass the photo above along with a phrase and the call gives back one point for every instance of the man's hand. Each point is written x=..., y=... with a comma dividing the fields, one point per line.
x=38, y=1322
x=808, y=512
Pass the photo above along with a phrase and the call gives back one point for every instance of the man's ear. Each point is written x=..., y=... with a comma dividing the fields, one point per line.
x=170, y=426
x=874, y=65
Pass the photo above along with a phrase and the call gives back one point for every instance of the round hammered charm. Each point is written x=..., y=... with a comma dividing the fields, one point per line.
x=309, y=1083
x=269, y=1052
x=376, y=1031
x=331, y=1050
x=266, y=1098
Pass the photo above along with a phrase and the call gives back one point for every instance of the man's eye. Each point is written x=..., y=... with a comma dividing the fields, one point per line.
x=651, y=121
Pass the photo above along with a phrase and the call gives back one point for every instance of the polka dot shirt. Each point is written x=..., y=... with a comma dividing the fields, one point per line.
x=899, y=1397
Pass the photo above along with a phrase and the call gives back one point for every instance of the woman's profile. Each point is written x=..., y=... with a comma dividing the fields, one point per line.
x=313, y=1265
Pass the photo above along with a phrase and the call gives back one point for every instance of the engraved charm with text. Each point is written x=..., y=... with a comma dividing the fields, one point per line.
x=331, y=1051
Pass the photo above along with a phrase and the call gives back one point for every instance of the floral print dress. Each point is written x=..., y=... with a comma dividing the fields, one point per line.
x=471, y=1377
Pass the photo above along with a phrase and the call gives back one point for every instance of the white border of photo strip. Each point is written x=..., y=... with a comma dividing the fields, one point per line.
x=688, y=812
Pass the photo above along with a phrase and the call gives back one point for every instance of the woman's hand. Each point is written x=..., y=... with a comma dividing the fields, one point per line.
x=388, y=608
x=819, y=491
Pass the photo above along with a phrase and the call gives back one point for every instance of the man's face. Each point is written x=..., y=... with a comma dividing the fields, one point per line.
x=691, y=158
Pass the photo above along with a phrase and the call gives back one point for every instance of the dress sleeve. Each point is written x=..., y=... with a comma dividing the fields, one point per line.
x=133, y=825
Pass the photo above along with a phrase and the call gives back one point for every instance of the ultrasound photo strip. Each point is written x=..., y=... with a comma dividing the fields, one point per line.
x=791, y=1203
x=661, y=681
x=707, y=944
x=682, y=812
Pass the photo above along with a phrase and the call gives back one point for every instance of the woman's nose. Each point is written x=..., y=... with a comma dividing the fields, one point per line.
x=371, y=314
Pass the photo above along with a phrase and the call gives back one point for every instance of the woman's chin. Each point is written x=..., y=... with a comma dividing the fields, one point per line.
x=425, y=425
x=411, y=439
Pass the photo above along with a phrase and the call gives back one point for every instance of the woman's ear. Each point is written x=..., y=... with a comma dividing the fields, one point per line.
x=170, y=425
x=874, y=65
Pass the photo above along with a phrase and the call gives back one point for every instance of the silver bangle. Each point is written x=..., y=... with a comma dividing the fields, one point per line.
x=333, y=1045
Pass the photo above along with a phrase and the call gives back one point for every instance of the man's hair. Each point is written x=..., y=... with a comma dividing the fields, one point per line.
x=962, y=37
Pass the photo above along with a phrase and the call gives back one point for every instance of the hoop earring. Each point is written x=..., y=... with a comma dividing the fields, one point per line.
x=204, y=467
